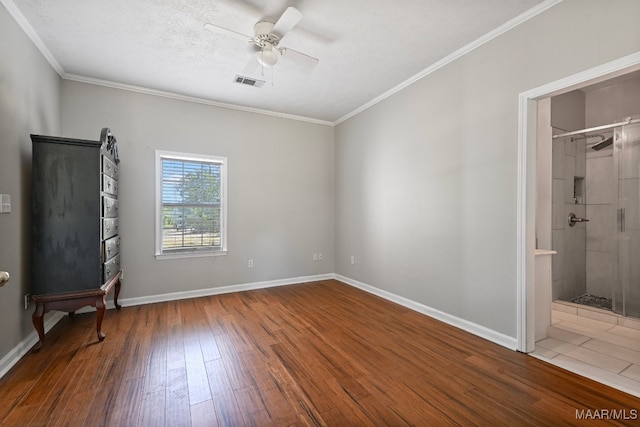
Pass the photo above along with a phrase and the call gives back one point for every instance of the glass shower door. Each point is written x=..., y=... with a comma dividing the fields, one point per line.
x=626, y=288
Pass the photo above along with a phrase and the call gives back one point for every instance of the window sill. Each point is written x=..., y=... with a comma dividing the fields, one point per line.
x=192, y=255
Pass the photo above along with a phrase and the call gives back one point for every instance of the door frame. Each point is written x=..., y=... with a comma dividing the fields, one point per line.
x=526, y=191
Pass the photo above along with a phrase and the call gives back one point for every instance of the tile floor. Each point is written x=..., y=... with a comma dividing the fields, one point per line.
x=594, y=343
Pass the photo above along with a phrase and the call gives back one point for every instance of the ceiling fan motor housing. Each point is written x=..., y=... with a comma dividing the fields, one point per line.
x=263, y=34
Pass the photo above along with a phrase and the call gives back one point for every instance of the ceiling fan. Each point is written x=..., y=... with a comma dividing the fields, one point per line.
x=267, y=38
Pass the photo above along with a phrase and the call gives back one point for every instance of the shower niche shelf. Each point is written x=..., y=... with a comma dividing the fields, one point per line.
x=578, y=190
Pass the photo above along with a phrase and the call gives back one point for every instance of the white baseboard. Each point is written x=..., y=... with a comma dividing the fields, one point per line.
x=26, y=344
x=128, y=302
x=473, y=328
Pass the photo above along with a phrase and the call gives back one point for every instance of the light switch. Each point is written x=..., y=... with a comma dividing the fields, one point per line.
x=5, y=203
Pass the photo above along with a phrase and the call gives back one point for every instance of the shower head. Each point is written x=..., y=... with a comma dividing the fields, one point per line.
x=603, y=144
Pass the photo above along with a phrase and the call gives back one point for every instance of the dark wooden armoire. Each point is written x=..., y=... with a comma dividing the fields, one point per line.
x=75, y=233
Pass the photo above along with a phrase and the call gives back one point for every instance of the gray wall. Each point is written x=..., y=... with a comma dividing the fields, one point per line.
x=29, y=103
x=280, y=186
x=426, y=179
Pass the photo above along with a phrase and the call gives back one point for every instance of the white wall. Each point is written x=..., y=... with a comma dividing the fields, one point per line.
x=280, y=186
x=29, y=103
x=426, y=179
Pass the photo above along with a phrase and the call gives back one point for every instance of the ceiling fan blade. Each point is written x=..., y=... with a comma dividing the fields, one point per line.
x=299, y=57
x=287, y=21
x=221, y=30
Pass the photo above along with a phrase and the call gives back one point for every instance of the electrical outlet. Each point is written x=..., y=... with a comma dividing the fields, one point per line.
x=320, y=256
x=27, y=298
x=250, y=263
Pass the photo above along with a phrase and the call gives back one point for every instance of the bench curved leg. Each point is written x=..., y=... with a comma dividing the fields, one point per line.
x=100, y=309
x=116, y=293
x=38, y=322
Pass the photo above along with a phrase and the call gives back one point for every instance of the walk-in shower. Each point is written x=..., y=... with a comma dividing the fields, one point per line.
x=596, y=216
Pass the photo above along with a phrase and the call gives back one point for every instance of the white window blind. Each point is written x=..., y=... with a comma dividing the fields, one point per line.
x=191, y=204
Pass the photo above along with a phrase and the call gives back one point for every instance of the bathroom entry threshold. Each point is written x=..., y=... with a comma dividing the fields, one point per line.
x=595, y=313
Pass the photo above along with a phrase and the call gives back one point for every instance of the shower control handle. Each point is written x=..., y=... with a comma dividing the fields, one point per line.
x=573, y=219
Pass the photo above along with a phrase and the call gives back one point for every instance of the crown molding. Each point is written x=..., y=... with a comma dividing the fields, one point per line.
x=194, y=99
x=523, y=17
x=30, y=32
x=20, y=19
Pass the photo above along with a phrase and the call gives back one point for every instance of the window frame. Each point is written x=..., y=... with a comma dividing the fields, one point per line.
x=200, y=158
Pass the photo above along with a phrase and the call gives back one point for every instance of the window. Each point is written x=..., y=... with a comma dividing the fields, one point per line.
x=190, y=205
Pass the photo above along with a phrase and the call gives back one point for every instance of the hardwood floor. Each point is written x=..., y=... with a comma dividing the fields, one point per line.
x=319, y=353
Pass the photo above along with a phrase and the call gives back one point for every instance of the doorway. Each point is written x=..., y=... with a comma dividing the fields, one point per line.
x=529, y=127
x=526, y=220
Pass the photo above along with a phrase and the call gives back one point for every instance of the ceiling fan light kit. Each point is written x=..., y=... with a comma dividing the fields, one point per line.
x=268, y=56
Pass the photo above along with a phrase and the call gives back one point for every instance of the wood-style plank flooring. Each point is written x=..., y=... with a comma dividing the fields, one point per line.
x=319, y=353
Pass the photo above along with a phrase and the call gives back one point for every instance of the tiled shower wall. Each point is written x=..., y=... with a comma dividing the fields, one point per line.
x=569, y=163
x=601, y=211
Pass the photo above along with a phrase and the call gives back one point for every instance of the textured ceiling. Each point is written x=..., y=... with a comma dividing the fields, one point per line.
x=365, y=47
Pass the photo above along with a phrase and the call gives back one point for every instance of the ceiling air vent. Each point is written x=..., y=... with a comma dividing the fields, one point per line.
x=249, y=82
